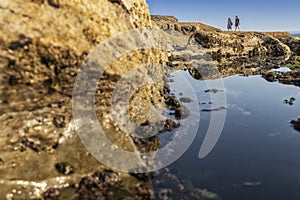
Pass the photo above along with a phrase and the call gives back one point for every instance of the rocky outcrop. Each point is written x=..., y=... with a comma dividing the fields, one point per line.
x=213, y=54
x=164, y=19
x=294, y=44
x=229, y=52
x=296, y=124
x=43, y=44
x=171, y=23
x=278, y=34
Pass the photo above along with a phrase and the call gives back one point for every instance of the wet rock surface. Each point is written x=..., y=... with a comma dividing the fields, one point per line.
x=43, y=44
x=41, y=155
x=170, y=186
x=291, y=77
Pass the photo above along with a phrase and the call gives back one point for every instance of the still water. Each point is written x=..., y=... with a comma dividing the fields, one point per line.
x=258, y=146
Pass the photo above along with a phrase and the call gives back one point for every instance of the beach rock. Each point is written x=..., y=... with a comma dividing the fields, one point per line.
x=172, y=23
x=296, y=124
x=270, y=76
x=291, y=77
x=51, y=194
x=229, y=53
x=43, y=44
x=294, y=44
x=108, y=185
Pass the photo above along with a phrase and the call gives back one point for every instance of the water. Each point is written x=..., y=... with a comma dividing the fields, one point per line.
x=257, y=145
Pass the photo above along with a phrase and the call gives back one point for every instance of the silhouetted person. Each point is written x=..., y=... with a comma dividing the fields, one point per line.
x=229, y=24
x=237, y=23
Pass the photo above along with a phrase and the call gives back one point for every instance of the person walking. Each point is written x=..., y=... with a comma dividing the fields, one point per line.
x=237, y=23
x=229, y=24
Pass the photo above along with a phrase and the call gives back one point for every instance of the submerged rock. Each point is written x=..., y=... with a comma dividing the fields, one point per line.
x=185, y=100
x=213, y=109
x=296, y=124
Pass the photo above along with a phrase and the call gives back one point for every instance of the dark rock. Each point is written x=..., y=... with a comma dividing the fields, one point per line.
x=21, y=43
x=213, y=109
x=271, y=76
x=54, y=3
x=170, y=125
x=101, y=185
x=172, y=102
x=1, y=161
x=212, y=90
x=296, y=124
x=59, y=121
x=146, y=145
x=51, y=194
x=116, y=1
x=26, y=143
x=141, y=176
x=185, y=100
x=13, y=80
x=146, y=123
x=64, y=168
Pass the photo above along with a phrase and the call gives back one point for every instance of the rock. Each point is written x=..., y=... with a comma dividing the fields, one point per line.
x=185, y=100
x=170, y=125
x=290, y=101
x=231, y=52
x=64, y=168
x=51, y=194
x=60, y=121
x=169, y=185
x=1, y=162
x=102, y=185
x=43, y=44
x=296, y=124
x=54, y=3
x=213, y=109
x=270, y=76
x=212, y=90
x=291, y=77
x=171, y=23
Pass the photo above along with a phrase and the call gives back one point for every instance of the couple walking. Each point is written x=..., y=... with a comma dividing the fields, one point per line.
x=237, y=24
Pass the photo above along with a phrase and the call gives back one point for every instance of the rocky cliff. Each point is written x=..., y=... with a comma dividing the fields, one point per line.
x=43, y=44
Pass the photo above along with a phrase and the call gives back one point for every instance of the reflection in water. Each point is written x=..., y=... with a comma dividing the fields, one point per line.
x=257, y=156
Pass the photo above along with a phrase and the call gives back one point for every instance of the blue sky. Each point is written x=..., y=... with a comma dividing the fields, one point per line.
x=255, y=15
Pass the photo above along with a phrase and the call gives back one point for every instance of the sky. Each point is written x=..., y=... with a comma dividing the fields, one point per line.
x=255, y=15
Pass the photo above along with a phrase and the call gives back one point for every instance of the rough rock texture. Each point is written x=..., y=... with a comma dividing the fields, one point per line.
x=279, y=34
x=294, y=44
x=290, y=78
x=226, y=53
x=219, y=54
x=43, y=44
x=171, y=23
